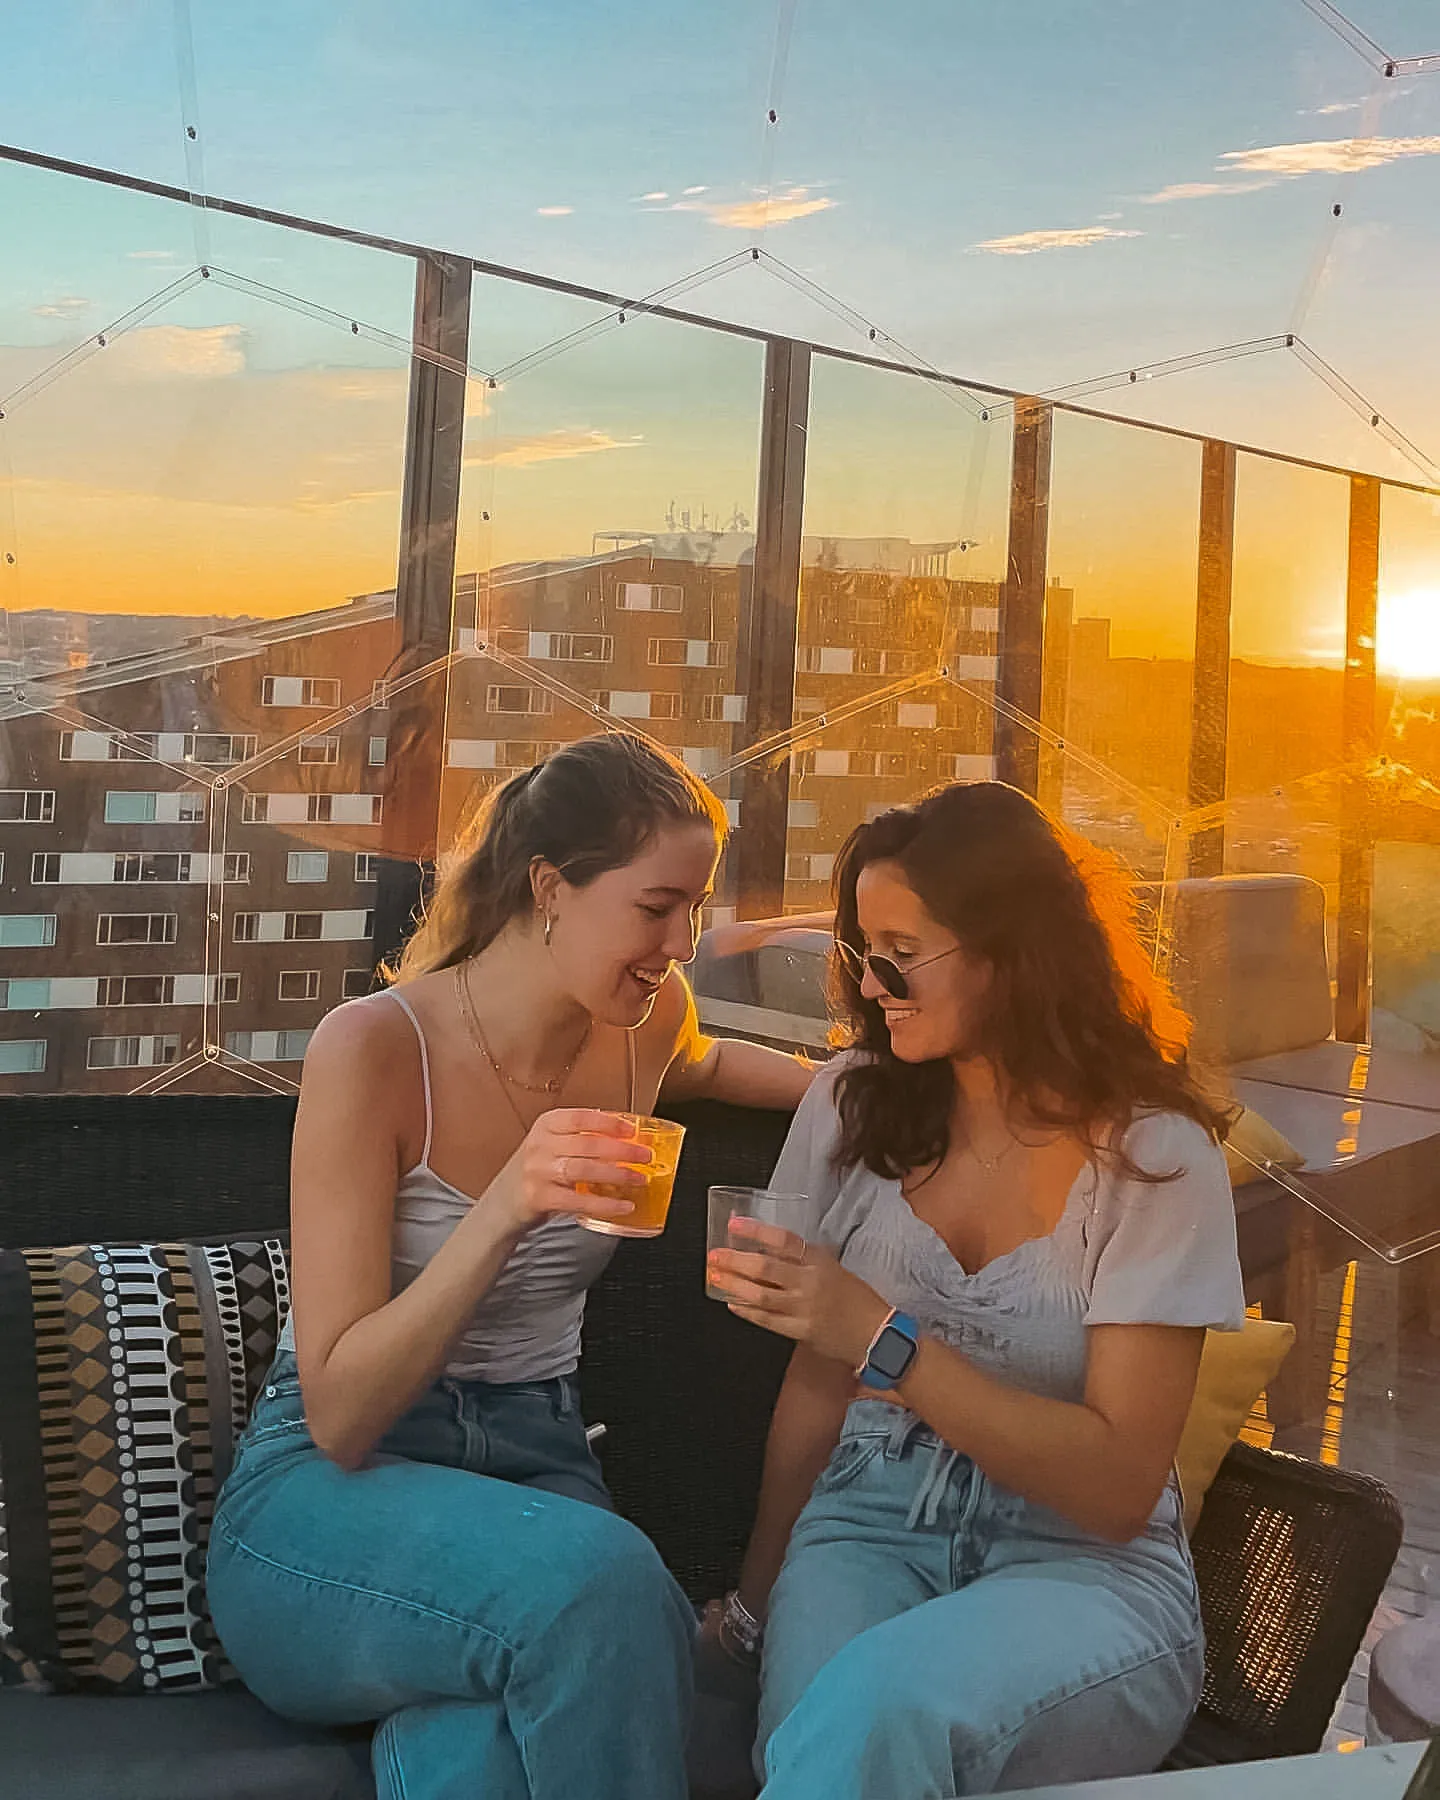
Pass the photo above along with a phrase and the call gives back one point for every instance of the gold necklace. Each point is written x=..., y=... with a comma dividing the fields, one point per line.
x=556, y=1084
x=991, y=1163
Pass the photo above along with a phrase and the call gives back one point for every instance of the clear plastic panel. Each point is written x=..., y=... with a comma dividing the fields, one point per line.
x=1120, y=613
x=902, y=556
x=607, y=538
x=201, y=526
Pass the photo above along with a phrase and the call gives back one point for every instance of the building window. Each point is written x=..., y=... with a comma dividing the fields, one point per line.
x=303, y=926
x=246, y=927
x=135, y=806
x=299, y=690
x=808, y=865
x=22, y=1056
x=354, y=983
x=29, y=995
x=299, y=984
x=237, y=865
x=726, y=709
x=367, y=866
x=45, y=868
x=377, y=752
x=27, y=931
x=227, y=990
x=136, y=928
x=319, y=750
x=633, y=704
x=556, y=646
x=27, y=806
x=307, y=865
x=650, y=596
x=804, y=815
x=131, y=1052
x=268, y=1046
x=687, y=653
x=140, y=865
x=867, y=609
x=916, y=716
x=824, y=659
x=517, y=700
x=311, y=809
x=219, y=749
x=135, y=990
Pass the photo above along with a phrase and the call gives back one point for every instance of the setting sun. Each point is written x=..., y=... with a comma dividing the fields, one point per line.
x=1408, y=635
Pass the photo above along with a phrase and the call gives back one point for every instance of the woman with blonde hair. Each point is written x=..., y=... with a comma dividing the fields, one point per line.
x=415, y=1529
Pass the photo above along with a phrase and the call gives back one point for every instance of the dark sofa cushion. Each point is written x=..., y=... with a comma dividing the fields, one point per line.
x=126, y=1373
x=216, y=1746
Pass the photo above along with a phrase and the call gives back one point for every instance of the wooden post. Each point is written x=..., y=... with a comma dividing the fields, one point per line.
x=1022, y=609
x=1210, y=683
x=769, y=626
x=1357, y=851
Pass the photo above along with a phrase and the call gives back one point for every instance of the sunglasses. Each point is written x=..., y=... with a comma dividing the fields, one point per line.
x=894, y=979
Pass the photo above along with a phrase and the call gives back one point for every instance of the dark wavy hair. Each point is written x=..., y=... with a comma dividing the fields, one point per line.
x=1082, y=1031
x=592, y=806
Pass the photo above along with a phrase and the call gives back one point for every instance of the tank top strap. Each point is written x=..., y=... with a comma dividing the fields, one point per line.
x=409, y=1012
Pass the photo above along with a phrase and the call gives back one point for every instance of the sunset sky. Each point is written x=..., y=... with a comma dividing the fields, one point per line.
x=1035, y=194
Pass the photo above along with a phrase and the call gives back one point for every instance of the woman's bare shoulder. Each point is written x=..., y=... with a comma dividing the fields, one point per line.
x=360, y=1039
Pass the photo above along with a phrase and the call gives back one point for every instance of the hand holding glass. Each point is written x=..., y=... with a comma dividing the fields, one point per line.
x=785, y=1212
x=651, y=1199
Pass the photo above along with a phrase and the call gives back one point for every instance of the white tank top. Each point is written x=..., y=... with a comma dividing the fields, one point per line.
x=527, y=1327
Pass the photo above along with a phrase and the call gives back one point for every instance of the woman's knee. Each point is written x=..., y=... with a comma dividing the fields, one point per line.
x=619, y=1580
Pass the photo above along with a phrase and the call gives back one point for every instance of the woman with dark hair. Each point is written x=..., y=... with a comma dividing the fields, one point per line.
x=415, y=1528
x=968, y=1564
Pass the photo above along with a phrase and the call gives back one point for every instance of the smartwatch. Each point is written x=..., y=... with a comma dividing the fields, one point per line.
x=892, y=1350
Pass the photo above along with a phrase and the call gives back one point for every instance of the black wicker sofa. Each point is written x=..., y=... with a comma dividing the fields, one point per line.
x=1291, y=1556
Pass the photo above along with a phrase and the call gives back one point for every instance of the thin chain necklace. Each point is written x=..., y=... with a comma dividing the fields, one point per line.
x=991, y=1163
x=556, y=1084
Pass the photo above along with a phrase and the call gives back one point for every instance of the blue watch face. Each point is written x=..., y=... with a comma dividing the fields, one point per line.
x=893, y=1353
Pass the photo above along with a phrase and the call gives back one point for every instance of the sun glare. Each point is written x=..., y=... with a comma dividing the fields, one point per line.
x=1407, y=639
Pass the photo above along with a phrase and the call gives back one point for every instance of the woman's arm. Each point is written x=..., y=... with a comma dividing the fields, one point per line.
x=1101, y=1463
x=744, y=1074
x=803, y=1430
x=363, y=1356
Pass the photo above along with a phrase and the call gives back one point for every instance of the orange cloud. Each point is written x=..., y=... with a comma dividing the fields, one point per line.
x=1337, y=156
x=551, y=446
x=1284, y=162
x=1202, y=190
x=755, y=215
x=1027, y=243
x=205, y=352
x=68, y=306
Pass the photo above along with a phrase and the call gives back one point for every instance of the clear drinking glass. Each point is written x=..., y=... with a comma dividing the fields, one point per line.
x=791, y=1212
x=652, y=1201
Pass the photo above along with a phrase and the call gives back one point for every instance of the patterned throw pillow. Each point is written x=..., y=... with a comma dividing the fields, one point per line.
x=126, y=1376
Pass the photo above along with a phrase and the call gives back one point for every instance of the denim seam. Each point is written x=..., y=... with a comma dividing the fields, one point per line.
x=1059, y=1698
x=350, y=1587
x=385, y=1742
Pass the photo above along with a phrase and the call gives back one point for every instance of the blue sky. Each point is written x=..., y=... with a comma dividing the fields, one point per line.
x=1033, y=192
x=917, y=131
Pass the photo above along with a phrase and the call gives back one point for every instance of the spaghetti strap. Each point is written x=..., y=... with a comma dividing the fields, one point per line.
x=409, y=1011
x=630, y=1062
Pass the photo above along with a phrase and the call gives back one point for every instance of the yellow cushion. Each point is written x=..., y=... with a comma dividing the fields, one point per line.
x=1253, y=1140
x=1235, y=1369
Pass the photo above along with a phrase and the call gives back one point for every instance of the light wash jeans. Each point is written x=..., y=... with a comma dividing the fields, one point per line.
x=932, y=1634
x=471, y=1586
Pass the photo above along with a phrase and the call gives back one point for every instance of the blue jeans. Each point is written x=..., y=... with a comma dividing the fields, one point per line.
x=932, y=1634
x=471, y=1586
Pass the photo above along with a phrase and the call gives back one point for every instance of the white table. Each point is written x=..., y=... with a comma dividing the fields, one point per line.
x=1377, y=1774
